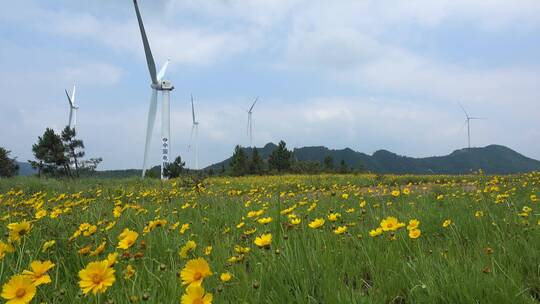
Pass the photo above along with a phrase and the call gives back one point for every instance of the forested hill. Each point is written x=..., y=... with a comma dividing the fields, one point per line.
x=493, y=159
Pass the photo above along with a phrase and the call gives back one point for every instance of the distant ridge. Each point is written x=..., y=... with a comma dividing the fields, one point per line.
x=26, y=169
x=492, y=159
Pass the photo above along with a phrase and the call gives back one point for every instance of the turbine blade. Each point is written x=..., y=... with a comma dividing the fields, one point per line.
x=191, y=137
x=73, y=95
x=163, y=70
x=463, y=126
x=149, y=128
x=477, y=118
x=147, y=51
x=70, y=116
x=466, y=114
x=69, y=99
x=192, y=109
x=253, y=103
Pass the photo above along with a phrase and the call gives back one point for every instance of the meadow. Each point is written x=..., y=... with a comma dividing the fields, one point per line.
x=272, y=239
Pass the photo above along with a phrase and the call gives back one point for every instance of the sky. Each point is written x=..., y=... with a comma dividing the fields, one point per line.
x=363, y=74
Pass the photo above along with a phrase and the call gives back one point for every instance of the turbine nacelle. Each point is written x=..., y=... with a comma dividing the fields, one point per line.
x=163, y=85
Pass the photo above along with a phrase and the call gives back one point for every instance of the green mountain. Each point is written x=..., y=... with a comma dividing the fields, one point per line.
x=492, y=159
x=25, y=169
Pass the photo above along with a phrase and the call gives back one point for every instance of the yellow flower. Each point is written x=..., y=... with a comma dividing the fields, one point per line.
x=332, y=217
x=235, y=259
x=153, y=225
x=395, y=193
x=375, y=232
x=345, y=196
x=41, y=213
x=208, y=250
x=96, y=277
x=91, y=230
x=18, y=290
x=264, y=240
x=390, y=224
x=440, y=197
x=38, y=275
x=117, y=211
x=196, y=295
x=414, y=233
x=184, y=228
x=127, y=238
x=406, y=191
x=85, y=250
x=130, y=272
x=446, y=223
x=194, y=272
x=5, y=248
x=111, y=259
x=340, y=230
x=479, y=213
x=250, y=231
x=187, y=248
x=413, y=224
x=362, y=204
x=47, y=245
x=225, y=277
x=240, y=249
x=99, y=250
x=534, y=198
x=18, y=230
x=264, y=220
x=316, y=223
x=295, y=221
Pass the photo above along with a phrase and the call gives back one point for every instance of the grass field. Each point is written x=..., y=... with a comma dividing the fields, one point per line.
x=476, y=239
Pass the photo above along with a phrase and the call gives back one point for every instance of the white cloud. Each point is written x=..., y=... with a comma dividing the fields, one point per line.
x=92, y=73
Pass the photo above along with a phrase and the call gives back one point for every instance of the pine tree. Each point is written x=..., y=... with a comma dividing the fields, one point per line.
x=49, y=153
x=281, y=158
x=256, y=163
x=343, y=168
x=8, y=166
x=329, y=163
x=174, y=169
x=73, y=147
x=239, y=162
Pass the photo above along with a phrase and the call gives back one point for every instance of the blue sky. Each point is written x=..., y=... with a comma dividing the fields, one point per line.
x=362, y=74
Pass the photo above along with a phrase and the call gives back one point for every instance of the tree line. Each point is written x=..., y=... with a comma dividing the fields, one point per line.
x=281, y=160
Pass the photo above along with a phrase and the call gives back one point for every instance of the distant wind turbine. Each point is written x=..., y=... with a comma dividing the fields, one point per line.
x=158, y=84
x=468, y=122
x=194, y=135
x=250, y=122
x=72, y=108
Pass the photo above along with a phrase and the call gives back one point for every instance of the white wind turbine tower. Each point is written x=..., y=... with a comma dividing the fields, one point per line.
x=468, y=122
x=158, y=84
x=194, y=135
x=72, y=108
x=250, y=122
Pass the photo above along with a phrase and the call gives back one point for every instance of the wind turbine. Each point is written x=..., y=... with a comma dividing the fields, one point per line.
x=250, y=122
x=72, y=108
x=194, y=131
x=468, y=122
x=158, y=84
